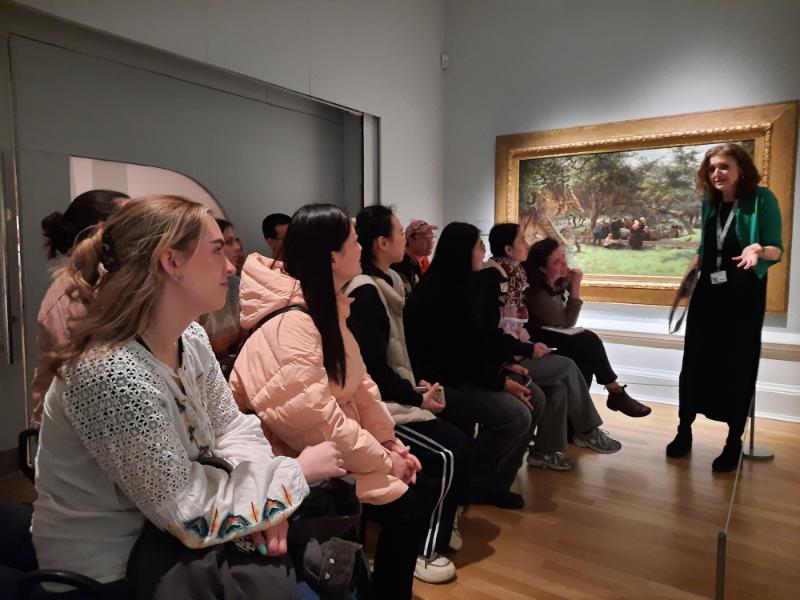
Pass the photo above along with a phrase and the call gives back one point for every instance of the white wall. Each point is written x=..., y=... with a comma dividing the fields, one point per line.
x=136, y=181
x=519, y=65
x=380, y=57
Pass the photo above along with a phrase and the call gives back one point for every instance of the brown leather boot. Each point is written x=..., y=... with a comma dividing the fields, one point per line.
x=621, y=401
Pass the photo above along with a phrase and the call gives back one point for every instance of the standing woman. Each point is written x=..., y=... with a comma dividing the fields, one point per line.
x=62, y=231
x=740, y=240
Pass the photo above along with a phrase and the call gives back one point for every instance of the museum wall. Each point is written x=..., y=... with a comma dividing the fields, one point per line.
x=378, y=57
x=519, y=66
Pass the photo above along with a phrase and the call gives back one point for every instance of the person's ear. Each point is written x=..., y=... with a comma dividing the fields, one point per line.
x=508, y=249
x=172, y=262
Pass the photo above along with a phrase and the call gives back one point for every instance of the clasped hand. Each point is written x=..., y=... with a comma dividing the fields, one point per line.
x=405, y=465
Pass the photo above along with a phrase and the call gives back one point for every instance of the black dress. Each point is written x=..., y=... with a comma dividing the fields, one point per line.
x=722, y=346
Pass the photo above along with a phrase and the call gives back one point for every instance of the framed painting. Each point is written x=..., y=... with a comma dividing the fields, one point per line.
x=622, y=198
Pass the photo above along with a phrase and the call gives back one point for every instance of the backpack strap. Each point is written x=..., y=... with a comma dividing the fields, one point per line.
x=269, y=317
x=226, y=363
x=277, y=313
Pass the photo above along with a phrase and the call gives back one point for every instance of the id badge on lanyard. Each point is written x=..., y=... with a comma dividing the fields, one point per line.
x=719, y=276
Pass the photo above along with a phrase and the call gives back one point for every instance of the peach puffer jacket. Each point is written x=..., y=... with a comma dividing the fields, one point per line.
x=279, y=375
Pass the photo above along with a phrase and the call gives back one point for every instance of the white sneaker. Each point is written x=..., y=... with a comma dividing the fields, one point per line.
x=456, y=541
x=436, y=569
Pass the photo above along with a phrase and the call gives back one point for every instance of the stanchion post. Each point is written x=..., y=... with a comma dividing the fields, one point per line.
x=719, y=588
x=750, y=450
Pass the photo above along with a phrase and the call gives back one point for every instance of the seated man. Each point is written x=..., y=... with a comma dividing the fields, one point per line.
x=419, y=246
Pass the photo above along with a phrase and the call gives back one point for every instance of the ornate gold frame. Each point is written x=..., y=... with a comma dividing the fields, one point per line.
x=772, y=126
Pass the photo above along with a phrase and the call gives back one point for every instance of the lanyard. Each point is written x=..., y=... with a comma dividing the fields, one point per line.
x=722, y=232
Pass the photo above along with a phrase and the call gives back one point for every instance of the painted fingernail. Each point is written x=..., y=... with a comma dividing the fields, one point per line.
x=262, y=549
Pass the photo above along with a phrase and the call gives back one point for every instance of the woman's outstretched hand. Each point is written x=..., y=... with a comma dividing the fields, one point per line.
x=749, y=256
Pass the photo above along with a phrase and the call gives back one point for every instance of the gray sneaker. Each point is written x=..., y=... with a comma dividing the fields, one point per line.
x=598, y=440
x=555, y=461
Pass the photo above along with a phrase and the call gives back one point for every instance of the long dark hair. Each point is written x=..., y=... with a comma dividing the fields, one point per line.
x=537, y=258
x=450, y=277
x=314, y=232
x=372, y=222
x=748, y=173
x=63, y=231
x=452, y=260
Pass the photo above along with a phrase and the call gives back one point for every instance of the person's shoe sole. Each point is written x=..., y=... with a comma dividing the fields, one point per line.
x=434, y=575
x=639, y=415
x=544, y=465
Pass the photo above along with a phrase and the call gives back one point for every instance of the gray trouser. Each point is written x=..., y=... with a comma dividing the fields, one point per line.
x=568, y=398
x=505, y=429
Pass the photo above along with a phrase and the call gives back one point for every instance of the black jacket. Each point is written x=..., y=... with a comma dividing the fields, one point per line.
x=410, y=272
x=446, y=339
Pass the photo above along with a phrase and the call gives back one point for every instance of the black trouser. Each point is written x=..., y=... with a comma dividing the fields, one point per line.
x=459, y=411
x=585, y=349
x=445, y=454
x=402, y=524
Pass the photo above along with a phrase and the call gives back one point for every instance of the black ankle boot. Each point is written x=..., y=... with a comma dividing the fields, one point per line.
x=729, y=459
x=682, y=444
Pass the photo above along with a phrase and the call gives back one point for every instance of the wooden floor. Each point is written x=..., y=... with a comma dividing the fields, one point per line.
x=636, y=525
x=633, y=525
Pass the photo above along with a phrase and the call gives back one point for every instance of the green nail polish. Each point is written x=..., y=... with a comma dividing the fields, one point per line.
x=262, y=549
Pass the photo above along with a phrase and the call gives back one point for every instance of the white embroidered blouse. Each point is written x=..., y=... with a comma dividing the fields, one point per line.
x=119, y=444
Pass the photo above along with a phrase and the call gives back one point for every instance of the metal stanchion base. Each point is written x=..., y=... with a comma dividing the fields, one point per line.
x=719, y=587
x=758, y=453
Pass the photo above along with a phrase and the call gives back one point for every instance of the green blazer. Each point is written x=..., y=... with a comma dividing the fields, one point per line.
x=758, y=219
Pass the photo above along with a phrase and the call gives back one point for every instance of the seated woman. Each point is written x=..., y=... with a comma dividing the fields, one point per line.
x=301, y=372
x=565, y=385
x=222, y=326
x=448, y=344
x=138, y=400
x=554, y=300
x=376, y=320
x=86, y=212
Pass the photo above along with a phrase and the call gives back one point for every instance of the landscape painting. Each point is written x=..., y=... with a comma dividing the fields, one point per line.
x=634, y=212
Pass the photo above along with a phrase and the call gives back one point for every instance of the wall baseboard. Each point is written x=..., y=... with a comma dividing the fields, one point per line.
x=773, y=400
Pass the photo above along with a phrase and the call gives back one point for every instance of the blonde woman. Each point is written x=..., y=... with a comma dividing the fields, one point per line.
x=138, y=400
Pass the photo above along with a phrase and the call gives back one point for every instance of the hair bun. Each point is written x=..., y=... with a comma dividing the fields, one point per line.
x=53, y=224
